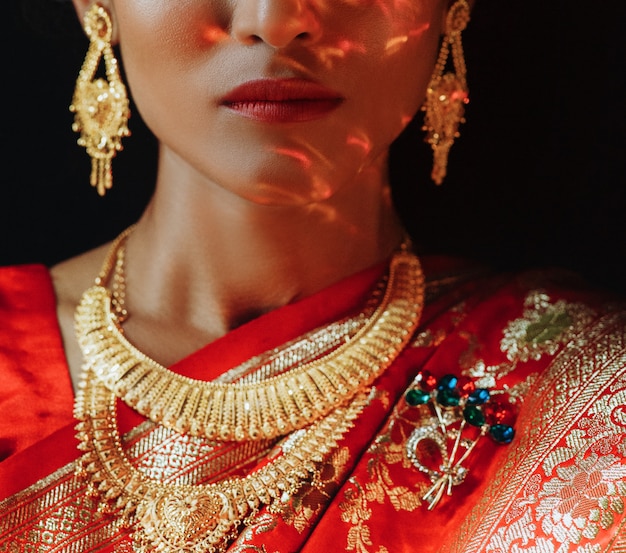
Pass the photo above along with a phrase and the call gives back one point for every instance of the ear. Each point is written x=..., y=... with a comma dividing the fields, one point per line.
x=82, y=6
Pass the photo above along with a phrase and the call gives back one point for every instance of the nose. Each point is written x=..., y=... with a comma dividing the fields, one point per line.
x=277, y=23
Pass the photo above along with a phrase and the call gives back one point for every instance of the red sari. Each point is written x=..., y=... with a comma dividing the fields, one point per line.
x=560, y=486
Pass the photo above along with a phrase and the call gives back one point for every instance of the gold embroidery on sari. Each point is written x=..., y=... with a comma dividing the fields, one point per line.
x=618, y=543
x=428, y=338
x=57, y=513
x=55, y=519
x=261, y=524
x=387, y=450
x=544, y=327
x=306, y=505
x=356, y=513
x=565, y=480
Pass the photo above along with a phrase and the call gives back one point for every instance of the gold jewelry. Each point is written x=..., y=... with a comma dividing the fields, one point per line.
x=171, y=518
x=447, y=93
x=255, y=410
x=100, y=105
x=185, y=517
x=458, y=414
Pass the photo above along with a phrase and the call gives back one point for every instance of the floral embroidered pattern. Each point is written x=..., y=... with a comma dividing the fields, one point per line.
x=565, y=482
x=582, y=498
x=585, y=495
x=262, y=524
x=544, y=327
x=576, y=490
x=387, y=450
x=311, y=499
x=356, y=513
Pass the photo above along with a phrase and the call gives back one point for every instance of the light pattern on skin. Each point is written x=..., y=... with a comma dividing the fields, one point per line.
x=345, y=46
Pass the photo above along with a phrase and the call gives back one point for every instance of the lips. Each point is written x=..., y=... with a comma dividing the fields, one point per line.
x=282, y=100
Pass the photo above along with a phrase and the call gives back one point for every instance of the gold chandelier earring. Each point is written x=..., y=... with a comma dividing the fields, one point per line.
x=100, y=105
x=447, y=93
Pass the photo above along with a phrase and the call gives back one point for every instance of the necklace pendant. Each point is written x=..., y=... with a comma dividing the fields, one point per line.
x=187, y=521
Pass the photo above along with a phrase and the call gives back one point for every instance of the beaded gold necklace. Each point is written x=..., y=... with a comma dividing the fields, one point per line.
x=193, y=518
x=329, y=392
x=250, y=411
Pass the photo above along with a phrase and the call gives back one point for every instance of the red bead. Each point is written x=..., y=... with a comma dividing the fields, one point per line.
x=465, y=386
x=499, y=412
x=426, y=381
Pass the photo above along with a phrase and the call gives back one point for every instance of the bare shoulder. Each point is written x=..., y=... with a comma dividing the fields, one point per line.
x=73, y=276
x=70, y=279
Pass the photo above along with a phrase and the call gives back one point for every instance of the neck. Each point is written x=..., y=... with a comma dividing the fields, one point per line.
x=203, y=258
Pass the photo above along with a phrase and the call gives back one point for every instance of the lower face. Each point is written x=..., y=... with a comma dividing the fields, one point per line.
x=369, y=60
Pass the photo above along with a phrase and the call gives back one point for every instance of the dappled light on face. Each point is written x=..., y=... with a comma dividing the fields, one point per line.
x=306, y=191
x=269, y=193
x=401, y=20
x=320, y=189
x=327, y=213
x=420, y=30
x=406, y=119
x=391, y=8
x=347, y=46
x=366, y=58
x=327, y=55
x=212, y=34
x=314, y=155
x=300, y=157
x=362, y=142
x=395, y=43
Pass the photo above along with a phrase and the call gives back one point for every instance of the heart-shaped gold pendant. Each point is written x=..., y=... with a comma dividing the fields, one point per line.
x=187, y=520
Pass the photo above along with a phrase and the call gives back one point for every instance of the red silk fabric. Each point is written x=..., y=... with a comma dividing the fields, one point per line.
x=36, y=393
x=560, y=486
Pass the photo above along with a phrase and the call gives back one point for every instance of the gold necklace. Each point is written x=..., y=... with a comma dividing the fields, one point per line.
x=193, y=518
x=203, y=518
x=258, y=410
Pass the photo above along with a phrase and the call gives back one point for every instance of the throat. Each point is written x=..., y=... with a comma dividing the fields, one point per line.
x=167, y=342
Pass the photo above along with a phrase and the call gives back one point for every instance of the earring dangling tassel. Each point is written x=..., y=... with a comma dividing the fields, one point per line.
x=100, y=105
x=447, y=93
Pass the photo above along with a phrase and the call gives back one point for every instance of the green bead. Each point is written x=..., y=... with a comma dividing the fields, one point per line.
x=416, y=397
x=448, y=398
x=473, y=415
x=502, y=433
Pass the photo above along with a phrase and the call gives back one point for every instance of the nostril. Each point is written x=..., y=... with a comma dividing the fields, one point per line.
x=275, y=22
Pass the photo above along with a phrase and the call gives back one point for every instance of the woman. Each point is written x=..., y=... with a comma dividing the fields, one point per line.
x=318, y=395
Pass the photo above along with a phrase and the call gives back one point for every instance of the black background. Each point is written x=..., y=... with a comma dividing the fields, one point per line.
x=537, y=178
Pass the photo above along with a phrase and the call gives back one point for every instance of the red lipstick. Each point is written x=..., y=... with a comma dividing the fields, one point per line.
x=282, y=100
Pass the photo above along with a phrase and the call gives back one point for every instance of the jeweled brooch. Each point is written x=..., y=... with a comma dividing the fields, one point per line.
x=460, y=414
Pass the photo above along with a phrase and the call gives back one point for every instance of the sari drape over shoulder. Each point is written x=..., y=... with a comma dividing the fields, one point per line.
x=556, y=349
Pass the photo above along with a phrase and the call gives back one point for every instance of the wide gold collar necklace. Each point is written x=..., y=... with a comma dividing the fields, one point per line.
x=317, y=401
x=249, y=410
